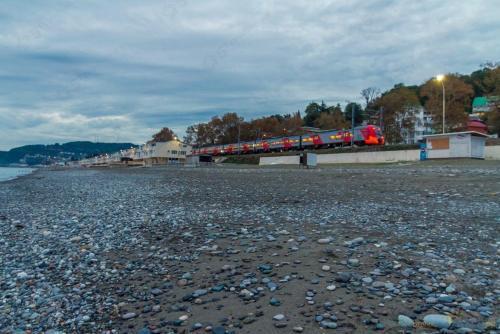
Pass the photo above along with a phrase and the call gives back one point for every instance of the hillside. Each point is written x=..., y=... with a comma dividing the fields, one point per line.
x=46, y=154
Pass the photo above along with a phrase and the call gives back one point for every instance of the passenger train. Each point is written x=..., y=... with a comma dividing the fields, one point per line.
x=363, y=135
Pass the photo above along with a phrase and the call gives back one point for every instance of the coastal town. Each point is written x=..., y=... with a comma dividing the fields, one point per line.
x=303, y=138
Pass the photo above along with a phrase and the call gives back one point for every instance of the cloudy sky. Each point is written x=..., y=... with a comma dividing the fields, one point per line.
x=120, y=70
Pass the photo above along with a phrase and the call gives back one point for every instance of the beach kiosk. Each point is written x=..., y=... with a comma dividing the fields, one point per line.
x=467, y=144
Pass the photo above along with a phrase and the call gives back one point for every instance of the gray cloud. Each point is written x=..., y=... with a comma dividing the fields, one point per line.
x=76, y=70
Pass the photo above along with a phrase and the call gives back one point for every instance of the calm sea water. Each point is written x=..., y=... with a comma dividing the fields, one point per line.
x=9, y=173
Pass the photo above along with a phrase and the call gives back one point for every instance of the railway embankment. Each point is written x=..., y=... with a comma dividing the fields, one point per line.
x=348, y=155
x=253, y=159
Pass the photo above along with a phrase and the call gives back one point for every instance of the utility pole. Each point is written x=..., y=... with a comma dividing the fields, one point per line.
x=352, y=124
x=444, y=105
x=382, y=119
x=239, y=132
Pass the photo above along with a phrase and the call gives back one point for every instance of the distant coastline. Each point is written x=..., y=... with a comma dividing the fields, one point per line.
x=8, y=173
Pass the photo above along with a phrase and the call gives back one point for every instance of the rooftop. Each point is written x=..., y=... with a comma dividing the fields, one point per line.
x=472, y=133
x=481, y=101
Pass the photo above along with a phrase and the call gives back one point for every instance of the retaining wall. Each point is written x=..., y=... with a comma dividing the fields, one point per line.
x=282, y=160
x=369, y=157
x=492, y=152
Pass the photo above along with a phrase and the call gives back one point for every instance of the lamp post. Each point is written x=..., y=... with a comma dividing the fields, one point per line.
x=440, y=78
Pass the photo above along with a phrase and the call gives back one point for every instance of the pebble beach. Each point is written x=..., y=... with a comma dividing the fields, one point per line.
x=399, y=248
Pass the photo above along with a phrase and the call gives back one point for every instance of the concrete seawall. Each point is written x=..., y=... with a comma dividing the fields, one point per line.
x=347, y=158
x=369, y=157
x=491, y=153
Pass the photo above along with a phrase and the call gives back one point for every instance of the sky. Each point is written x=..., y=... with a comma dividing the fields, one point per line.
x=118, y=71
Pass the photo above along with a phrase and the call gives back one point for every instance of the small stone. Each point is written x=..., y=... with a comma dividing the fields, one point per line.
x=438, y=321
x=272, y=286
x=218, y=330
x=274, y=302
x=200, y=292
x=298, y=329
x=328, y=324
x=249, y=320
x=218, y=288
x=22, y=275
x=182, y=282
x=279, y=317
x=404, y=321
x=129, y=315
x=353, y=262
x=324, y=241
x=446, y=299
x=331, y=287
x=325, y=268
x=367, y=280
x=280, y=324
x=354, y=242
x=265, y=268
x=378, y=284
x=343, y=277
x=451, y=288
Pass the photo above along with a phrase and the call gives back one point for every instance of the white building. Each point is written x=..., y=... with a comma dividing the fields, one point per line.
x=467, y=144
x=421, y=121
x=162, y=153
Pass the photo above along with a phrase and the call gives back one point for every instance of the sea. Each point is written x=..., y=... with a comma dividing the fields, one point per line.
x=9, y=173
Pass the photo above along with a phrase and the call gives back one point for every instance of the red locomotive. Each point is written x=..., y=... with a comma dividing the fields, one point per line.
x=363, y=135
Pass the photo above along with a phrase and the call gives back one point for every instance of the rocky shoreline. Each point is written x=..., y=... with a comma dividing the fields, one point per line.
x=392, y=249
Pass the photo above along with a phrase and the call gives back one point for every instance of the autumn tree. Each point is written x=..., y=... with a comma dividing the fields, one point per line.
x=485, y=81
x=358, y=113
x=369, y=95
x=266, y=126
x=399, y=105
x=164, y=134
x=201, y=134
x=331, y=120
x=292, y=123
x=312, y=112
x=191, y=136
x=493, y=119
x=230, y=127
x=492, y=81
x=458, y=102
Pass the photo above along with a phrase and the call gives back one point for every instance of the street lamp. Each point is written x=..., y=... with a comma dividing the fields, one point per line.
x=440, y=78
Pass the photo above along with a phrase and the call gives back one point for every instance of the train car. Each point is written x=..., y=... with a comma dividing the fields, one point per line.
x=363, y=135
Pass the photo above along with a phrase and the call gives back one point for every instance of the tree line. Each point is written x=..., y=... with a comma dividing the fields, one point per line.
x=393, y=110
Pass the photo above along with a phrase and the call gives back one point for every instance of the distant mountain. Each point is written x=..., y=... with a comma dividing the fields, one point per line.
x=47, y=154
